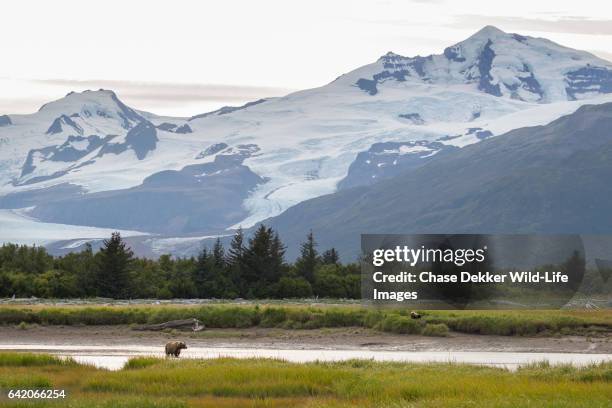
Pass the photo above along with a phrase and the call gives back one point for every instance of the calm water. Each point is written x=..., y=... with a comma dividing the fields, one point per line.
x=113, y=358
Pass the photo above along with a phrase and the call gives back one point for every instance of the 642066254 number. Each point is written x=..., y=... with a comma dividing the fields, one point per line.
x=36, y=394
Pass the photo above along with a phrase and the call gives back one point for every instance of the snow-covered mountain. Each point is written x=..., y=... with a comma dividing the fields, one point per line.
x=90, y=160
x=499, y=64
x=551, y=179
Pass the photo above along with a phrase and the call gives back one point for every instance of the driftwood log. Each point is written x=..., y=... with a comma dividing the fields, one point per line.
x=186, y=324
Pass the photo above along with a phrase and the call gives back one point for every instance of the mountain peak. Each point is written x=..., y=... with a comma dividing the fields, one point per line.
x=485, y=33
x=92, y=105
x=99, y=92
x=391, y=54
x=75, y=99
x=500, y=64
x=488, y=31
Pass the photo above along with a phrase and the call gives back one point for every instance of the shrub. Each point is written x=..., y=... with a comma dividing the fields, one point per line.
x=328, y=283
x=228, y=317
x=16, y=316
x=293, y=288
x=436, y=330
x=395, y=323
x=273, y=317
x=371, y=319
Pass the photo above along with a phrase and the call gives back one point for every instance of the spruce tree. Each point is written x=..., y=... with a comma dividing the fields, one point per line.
x=235, y=261
x=236, y=250
x=330, y=257
x=114, y=262
x=277, y=258
x=218, y=254
x=308, y=260
x=200, y=275
x=258, y=262
x=86, y=276
x=575, y=268
x=210, y=275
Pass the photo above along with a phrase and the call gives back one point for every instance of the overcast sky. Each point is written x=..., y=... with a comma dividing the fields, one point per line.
x=184, y=57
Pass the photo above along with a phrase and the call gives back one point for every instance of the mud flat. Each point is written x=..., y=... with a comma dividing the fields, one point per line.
x=111, y=346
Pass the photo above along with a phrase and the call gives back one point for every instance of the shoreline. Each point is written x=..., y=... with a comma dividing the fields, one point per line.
x=350, y=338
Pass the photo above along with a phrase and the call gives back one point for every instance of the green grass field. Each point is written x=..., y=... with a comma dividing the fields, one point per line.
x=498, y=322
x=152, y=382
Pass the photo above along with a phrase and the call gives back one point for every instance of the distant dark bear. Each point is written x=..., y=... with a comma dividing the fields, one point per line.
x=174, y=348
x=415, y=315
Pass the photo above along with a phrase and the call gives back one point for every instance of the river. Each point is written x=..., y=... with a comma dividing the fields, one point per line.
x=114, y=357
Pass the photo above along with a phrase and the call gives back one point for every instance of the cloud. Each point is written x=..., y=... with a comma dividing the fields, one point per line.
x=567, y=24
x=16, y=105
x=170, y=92
x=163, y=98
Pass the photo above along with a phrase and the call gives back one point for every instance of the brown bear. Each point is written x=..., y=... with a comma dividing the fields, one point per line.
x=174, y=348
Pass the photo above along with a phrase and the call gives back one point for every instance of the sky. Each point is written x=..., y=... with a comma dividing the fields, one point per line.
x=184, y=57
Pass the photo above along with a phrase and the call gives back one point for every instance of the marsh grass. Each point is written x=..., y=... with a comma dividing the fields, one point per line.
x=545, y=371
x=435, y=330
x=498, y=322
x=152, y=382
x=10, y=359
x=140, y=362
x=522, y=322
x=396, y=323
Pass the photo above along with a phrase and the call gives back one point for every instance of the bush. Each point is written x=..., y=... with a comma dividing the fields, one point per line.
x=436, y=330
x=328, y=283
x=293, y=288
x=372, y=319
x=172, y=313
x=16, y=316
x=223, y=317
x=395, y=323
x=337, y=317
x=273, y=317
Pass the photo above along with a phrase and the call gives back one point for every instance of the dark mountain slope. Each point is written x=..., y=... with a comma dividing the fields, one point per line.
x=546, y=179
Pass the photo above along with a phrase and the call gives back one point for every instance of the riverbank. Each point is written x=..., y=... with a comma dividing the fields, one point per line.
x=437, y=323
x=155, y=382
x=348, y=338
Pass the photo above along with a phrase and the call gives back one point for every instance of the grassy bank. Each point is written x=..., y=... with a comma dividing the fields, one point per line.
x=488, y=322
x=151, y=382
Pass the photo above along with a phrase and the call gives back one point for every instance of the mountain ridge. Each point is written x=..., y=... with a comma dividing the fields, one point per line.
x=474, y=61
x=542, y=179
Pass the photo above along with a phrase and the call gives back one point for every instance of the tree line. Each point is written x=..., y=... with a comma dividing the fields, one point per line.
x=253, y=268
